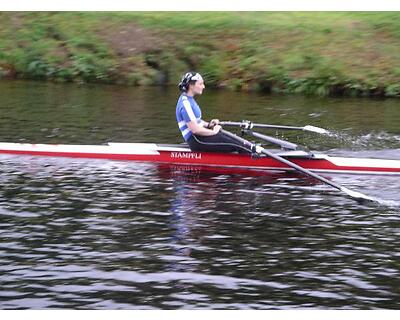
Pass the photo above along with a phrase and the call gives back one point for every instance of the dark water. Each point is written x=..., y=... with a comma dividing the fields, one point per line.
x=99, y=234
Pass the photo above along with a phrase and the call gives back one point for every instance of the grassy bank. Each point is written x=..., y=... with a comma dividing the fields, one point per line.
x=310, y=53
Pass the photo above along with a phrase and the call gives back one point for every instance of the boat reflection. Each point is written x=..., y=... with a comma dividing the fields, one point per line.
x=197, y=214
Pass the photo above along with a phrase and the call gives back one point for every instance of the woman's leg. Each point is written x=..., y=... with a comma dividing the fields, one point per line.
x=216, y=143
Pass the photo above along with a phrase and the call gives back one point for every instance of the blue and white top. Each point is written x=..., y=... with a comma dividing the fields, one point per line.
x=187, y=110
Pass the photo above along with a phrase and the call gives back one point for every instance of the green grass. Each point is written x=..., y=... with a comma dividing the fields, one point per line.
x=315, y=53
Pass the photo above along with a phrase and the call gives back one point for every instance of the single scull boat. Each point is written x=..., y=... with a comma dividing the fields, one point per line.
x=181, y=154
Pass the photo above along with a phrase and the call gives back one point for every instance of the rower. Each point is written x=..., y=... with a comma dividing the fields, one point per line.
x=201, y=135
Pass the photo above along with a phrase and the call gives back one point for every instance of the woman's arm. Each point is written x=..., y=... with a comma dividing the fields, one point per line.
x=197, y=128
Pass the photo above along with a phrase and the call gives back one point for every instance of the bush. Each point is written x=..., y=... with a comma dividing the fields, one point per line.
x=212, y=70
x=393, y=90
x=38, y=70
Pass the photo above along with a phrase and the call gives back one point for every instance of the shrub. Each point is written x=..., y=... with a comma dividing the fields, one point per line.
x=392, y=90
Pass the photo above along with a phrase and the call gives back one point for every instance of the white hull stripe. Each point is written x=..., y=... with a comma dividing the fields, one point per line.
x=369, y=163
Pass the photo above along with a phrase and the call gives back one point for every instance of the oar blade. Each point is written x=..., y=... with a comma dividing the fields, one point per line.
x=357, y=195
x=316, y=129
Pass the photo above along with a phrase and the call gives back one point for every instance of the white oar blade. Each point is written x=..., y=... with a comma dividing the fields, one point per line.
x=357, y=195
x=315, y=129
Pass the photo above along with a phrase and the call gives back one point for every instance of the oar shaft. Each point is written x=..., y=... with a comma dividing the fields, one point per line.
x=272, y=126
x=244, y=125
x=301, y=169
x=283, y=160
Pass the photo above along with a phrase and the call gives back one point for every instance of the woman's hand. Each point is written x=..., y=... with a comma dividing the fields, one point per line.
x=216, y=128
x=200, y=130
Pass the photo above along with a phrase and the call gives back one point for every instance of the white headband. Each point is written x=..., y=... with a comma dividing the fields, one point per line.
x=197, y=77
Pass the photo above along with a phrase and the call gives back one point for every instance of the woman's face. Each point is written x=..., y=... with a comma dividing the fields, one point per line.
x=198, y=87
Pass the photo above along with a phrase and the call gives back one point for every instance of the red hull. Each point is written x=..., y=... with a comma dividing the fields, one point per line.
x=180, y=155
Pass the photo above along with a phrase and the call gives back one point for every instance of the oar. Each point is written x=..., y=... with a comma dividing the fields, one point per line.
x=353, y=194
x=249, y=125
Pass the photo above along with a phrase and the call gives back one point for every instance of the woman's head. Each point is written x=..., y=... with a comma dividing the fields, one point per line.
x=192, y=83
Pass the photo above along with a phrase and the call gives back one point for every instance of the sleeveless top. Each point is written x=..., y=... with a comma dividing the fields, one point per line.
x=187, y=110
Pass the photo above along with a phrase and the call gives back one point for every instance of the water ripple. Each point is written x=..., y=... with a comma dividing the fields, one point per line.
x=96, y=234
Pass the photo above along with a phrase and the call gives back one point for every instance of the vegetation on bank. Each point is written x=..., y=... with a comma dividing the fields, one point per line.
x=325, y=53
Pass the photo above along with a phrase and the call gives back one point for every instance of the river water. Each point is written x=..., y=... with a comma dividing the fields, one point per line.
x=98, y=234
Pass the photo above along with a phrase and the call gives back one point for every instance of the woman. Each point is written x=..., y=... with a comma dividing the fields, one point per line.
x=200, y=135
